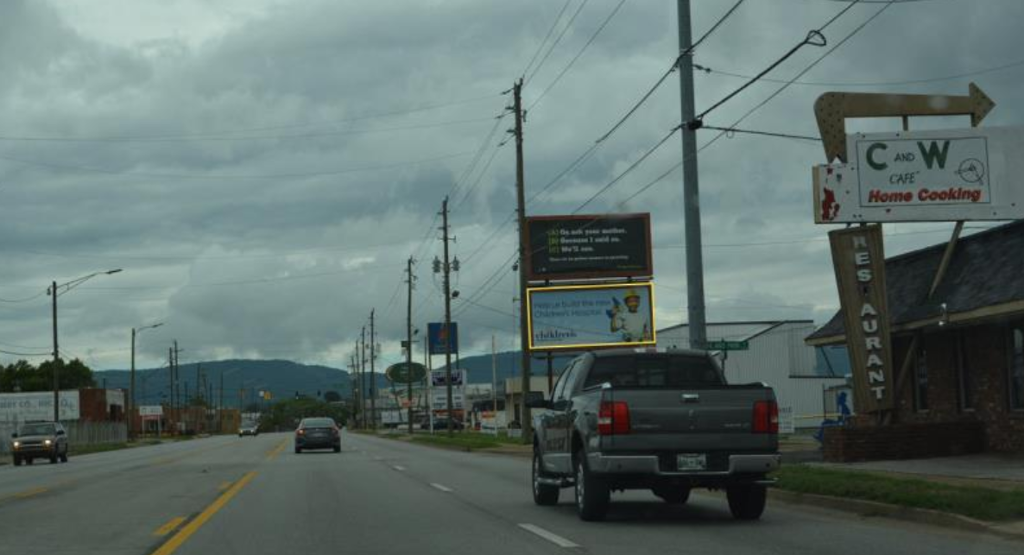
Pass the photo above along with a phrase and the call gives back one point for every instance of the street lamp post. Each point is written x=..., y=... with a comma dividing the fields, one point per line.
x=54, y=290
x=132, y=407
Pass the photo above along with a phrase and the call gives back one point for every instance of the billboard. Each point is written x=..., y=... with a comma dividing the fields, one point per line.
x=437, y=334
x=916, y=176
x=20, y=407
x=439, y=399
x=588, y=247
x=590, y=316
x=404, y=373
x=151, y=410
x=859, y=261
x=437, y=378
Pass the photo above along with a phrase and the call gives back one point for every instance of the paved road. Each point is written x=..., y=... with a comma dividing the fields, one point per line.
x=252, y=496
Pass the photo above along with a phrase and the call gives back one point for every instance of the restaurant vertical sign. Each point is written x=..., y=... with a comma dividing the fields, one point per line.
x=859, y=261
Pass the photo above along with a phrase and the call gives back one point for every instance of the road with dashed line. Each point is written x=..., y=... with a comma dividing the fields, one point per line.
x=228, y=495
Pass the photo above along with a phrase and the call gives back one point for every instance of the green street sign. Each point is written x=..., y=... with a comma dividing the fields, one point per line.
x=402, y=373
x=722, y=345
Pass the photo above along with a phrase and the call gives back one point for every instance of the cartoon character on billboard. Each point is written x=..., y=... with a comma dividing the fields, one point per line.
x=628, y=321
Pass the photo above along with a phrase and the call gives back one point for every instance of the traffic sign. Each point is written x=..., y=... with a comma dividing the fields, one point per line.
x=403, y=373
x=723, y=345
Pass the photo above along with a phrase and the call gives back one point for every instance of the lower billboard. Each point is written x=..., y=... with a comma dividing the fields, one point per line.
x=438, y=378
x=578, y=317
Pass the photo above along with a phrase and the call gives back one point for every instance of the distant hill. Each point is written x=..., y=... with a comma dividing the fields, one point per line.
x=285, y=378
x=282, y=378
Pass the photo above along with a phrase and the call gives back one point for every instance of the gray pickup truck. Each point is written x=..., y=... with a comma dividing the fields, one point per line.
x=665, y=421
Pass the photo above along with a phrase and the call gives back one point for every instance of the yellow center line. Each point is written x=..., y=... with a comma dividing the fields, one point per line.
x=169, y=526
x=182, y=535
x=223, y=486
x=277, y=450
x=30, y=493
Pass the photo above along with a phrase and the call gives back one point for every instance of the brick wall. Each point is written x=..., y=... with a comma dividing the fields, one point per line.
x=945, y=428
x=902, y=441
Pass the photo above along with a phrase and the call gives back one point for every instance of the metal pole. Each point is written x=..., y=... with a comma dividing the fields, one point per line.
x=131, y=392
x=408, y=343
x=362, y=377
x=56, y=357
x=691, y=190
x=494, y=383
x=524, y=338
x=373, y=375
x=447, y=318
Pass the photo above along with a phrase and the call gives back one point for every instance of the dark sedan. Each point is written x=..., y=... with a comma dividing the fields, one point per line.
x=317, y=433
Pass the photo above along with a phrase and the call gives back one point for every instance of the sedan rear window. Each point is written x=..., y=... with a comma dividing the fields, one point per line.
x=318, y=423
x=665, y=371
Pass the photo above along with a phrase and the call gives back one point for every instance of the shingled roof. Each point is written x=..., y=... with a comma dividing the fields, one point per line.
x=987, y=269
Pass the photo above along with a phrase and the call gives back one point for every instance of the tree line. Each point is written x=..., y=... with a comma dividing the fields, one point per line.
x=25, y=377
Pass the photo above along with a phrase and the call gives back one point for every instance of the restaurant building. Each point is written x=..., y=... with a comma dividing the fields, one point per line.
x=963, y=391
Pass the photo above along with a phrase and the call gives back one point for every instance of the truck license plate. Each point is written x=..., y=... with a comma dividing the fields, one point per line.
x=690, y=462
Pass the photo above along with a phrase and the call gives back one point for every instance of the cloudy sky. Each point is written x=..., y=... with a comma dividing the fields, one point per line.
x=262, y=169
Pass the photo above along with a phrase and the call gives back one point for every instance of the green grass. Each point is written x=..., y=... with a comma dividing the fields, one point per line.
x=464, y=440
x=975, y=502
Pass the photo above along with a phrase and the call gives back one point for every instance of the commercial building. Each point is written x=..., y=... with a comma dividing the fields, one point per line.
x=963, y=389
x=805, y=379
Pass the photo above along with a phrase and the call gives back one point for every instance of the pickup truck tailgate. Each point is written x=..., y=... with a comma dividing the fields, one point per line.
x=699, y=420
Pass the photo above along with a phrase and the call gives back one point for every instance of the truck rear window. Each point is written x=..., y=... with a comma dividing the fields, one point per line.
x=666, y=371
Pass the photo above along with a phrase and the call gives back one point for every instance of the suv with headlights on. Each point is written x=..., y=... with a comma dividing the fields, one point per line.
x=40, y=440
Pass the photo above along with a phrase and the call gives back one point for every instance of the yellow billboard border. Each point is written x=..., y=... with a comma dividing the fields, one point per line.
x=649, y=285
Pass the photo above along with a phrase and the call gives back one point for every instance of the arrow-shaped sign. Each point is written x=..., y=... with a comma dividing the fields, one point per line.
x=832, y=109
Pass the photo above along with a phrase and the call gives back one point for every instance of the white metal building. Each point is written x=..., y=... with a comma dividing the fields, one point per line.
x=777, y=356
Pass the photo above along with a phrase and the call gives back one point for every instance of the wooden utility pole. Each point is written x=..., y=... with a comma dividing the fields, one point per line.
x=408, y=341
x=373, y=373
x=446, y=268
x=362, y=376
x=524, y=339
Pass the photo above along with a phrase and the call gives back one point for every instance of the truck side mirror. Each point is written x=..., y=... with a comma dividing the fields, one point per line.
x=536, y=400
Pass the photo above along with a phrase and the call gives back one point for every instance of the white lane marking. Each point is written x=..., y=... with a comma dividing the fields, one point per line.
x=399, y=468
x=445, y=489
x=550, y=536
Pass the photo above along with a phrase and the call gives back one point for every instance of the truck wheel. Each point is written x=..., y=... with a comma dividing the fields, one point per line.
x=17, y=460
x=592, y=492
x=543, y=494
x=673, y=495
x=64, y=456
x=54, y=458
x=747, y=502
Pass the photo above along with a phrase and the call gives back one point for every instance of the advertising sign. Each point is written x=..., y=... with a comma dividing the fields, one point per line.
x=20, y=407
x=404, y=373
x=437, y=335
x=439, y=399
x=915, y=176
x=590, y=316
x=151, y=410
x=437, y=378
x=859, y=262
x=586, y=247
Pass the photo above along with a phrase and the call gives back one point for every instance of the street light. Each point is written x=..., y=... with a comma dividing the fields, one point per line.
x=54, y=291
x=131, y=386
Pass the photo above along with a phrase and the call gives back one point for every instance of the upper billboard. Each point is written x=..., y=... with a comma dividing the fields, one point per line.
x=588, y=247
x=438, y=335
x=966, y=174
x=590, y=316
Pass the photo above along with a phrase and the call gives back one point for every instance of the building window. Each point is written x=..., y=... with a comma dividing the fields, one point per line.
x=921, y=380
x=1017, y=369
x=964, y=378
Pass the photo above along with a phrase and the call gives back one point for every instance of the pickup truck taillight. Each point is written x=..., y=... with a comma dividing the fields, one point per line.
x=613, y=418
x=766, y=417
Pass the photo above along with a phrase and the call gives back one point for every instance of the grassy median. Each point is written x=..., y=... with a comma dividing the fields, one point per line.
x=971, y=501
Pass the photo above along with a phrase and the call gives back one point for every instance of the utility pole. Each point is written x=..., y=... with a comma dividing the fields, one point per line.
x=691, y=189
x=56, y=357
x=362, y=375
x=408, y=341
x=373, y=374
x=494, y=382
x=446, y=268
x=524, y=340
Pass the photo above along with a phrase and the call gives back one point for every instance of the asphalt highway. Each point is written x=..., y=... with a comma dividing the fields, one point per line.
x=253, y=496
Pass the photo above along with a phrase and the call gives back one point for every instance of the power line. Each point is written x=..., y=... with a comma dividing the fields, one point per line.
x=982, y=71
x=311, y=135
x=732, y=130
x=557, y=40
x=24, y=300
x=76, y=168
x=625, y=172
x=572, y=62
x=551, y=30
x=20, y=354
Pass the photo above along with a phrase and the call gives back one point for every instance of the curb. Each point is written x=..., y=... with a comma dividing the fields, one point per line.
x=908, y=514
